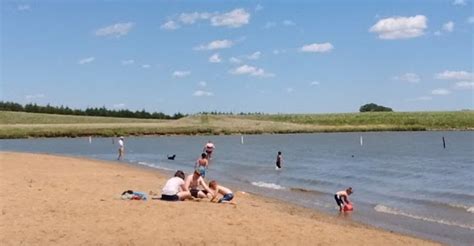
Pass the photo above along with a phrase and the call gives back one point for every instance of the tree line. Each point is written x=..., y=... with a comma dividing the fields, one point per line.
x=103, y=111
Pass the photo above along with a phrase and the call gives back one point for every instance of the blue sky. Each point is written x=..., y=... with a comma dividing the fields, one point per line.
x=239, y=56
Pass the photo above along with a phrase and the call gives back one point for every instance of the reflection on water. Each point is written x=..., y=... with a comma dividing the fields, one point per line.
x=404, y=181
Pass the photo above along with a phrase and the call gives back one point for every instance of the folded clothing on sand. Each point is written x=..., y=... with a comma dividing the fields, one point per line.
x=133, y=195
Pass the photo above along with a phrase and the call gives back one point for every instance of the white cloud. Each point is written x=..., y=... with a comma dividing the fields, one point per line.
x=181, y=74
x=288, y=23
x=216, y=44
x=117, y=30
x=437, y=33
x=255, y=56
x=448, y=26
x=400, y=27
x=258, y=7
x=146, y=66
x=233, y=19
x=128, y=62
x=235, y=60
x=23, y=7
x=215, y=58
x=459, y=2
x=319, y=48
x=36, y=96
x=464, y=85
x=314, y=83
x=119, y=105
x=454, y=75
x=250, y=70
x=277, y=52
x=200, y=93
x=408, y=77
x=289, y=90
x=470, y=19
x=440, y=92
x=202, y=83
x=86, y=60
x=191, y=18
x=170, y=25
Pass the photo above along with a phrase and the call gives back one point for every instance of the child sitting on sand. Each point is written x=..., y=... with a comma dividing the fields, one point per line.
x=342, y=198
x=218, y=189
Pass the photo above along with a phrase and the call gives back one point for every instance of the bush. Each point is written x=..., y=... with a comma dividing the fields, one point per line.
x=372, y=107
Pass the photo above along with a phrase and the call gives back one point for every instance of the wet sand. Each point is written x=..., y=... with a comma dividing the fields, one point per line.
x=52, y=200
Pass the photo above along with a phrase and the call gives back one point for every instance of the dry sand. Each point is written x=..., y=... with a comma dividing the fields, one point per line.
x=51, y=200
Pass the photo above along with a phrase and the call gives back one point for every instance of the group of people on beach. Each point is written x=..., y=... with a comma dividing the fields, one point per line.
x=182, y=187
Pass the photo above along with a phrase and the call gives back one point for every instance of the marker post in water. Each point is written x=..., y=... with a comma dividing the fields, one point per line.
x=361, y=141
x=241, y=139
x=444, y=143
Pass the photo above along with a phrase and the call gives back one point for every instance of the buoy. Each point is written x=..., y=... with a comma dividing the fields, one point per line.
x=242, y=139
x=361, y=141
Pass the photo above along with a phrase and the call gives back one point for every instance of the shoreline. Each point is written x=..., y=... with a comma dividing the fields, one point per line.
x=60, y=199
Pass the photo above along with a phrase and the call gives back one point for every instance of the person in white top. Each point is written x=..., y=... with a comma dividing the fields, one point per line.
x=121, y=149
x=174, y=189
x=342, y=198
x=208, y=148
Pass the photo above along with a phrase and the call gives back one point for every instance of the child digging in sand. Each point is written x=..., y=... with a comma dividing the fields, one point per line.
x=226, y=193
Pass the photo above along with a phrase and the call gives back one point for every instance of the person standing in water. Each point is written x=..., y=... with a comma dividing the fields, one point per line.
x=121, y=149
x=342, y=198
x=279, y=160
x=209, y=148
x=202, y=162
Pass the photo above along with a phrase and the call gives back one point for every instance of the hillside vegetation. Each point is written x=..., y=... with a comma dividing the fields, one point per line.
x=24, y=125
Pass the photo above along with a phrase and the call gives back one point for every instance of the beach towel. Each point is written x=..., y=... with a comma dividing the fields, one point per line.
x=133, y=195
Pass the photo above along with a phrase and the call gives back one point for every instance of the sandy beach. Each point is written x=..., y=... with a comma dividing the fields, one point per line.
x=51, y=200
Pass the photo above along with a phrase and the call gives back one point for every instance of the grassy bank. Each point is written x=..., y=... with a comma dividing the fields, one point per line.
x=24, y=125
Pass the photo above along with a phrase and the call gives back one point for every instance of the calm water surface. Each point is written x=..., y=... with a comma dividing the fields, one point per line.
x=403, y=181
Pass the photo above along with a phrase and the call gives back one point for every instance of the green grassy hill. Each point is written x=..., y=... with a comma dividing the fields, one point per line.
x=24, y=125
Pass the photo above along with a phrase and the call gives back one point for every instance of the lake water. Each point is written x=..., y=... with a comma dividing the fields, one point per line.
x=403, y=181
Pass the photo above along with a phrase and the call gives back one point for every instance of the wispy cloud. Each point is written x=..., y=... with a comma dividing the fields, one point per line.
x=314, y=83
x=235, y=60
x=36, y=96
x=202, y=83
x=86, y=60
x=215, y=45
x=454, y=75
x=119, y=105
x=400, y=27
x=408, y=77
x=464, y=85
x=191, y=18
x=317, y=48
x=269, y=25
x=422, y=98
x=288, y=23
x=254, y=56
x=215, y=58
x=170, y=25
x=470, y=19
x=440, y=92
x=258, y=7
x=290, y=90
x=201, y=93
x=459, y=2
x=127, y=62
x=232, y=19
x=250, y=70
x=146, y=66
x=116, y=30
x=23, y=7
x=181, y=74
x=448, y=26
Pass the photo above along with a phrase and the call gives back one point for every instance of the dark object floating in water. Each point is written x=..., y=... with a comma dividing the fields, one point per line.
x=171, y=157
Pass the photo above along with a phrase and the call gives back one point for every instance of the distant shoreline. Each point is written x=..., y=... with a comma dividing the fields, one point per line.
x=15, y=125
